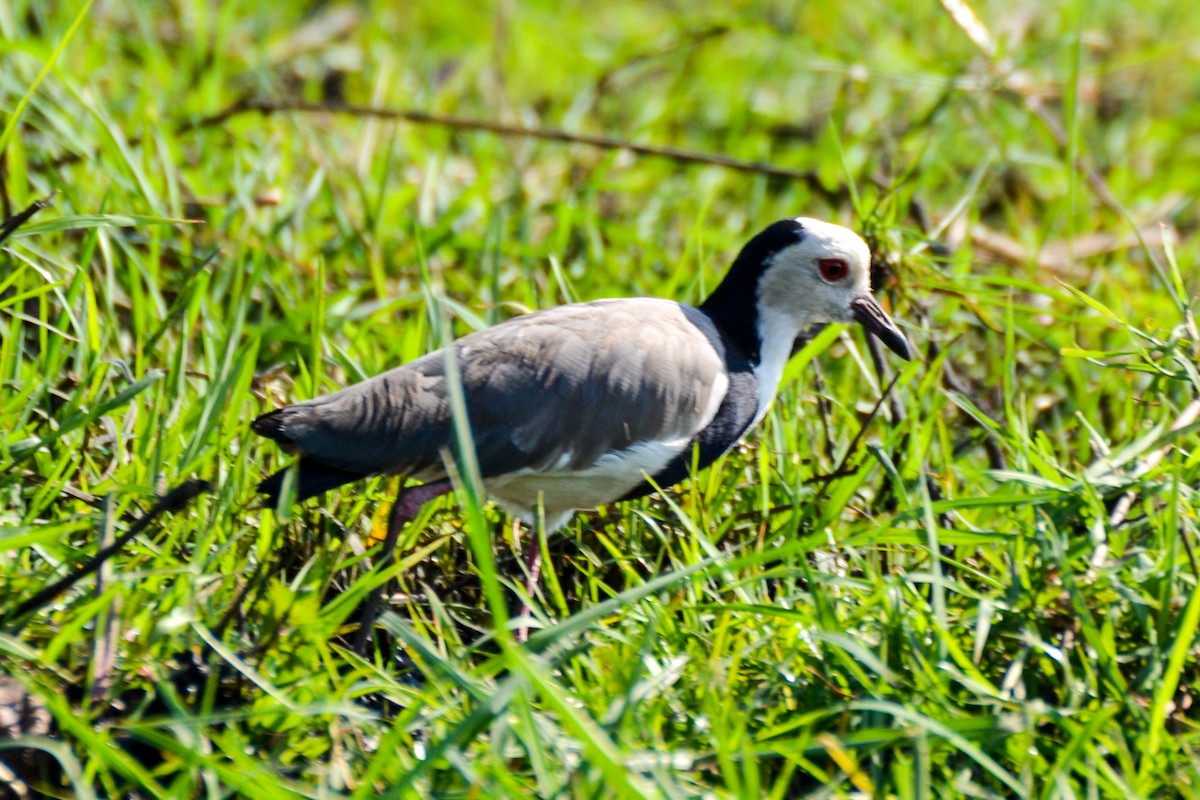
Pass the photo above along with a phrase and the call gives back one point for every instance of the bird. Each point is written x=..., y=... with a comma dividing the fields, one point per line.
x=590, y=403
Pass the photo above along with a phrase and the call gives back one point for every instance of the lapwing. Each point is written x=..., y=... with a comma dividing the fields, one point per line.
x=589, y=403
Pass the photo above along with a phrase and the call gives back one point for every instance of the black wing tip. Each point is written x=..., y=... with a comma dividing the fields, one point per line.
x=271, y=486
x=270, y=425
x=314, y=479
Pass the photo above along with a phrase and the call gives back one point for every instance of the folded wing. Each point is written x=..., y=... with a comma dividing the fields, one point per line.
x=555, y=390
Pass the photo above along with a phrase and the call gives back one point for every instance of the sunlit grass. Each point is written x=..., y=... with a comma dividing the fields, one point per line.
x=961, y=604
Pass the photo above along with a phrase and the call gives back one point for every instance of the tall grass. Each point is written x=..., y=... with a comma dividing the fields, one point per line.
x=985, y=589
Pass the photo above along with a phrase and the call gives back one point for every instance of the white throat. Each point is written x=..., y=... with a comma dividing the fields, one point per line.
x=776, y=333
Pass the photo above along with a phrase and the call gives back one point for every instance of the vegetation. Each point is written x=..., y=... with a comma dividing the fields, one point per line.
x=982, y=584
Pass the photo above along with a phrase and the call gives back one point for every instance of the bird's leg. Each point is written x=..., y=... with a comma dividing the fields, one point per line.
x=411, y=498
x=533, y=572
x=404, y=510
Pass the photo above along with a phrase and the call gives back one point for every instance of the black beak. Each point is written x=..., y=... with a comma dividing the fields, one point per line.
x=867, y=311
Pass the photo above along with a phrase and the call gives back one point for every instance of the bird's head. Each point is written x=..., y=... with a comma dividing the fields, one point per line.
x=814, y=272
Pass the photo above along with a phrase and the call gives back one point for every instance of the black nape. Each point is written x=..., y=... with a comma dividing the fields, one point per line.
x=733, y=305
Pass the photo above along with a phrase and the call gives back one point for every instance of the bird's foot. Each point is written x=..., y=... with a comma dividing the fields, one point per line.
x=409, y=501
x=533, y=573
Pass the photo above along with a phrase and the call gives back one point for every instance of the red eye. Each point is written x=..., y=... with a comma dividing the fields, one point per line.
x=833, y=269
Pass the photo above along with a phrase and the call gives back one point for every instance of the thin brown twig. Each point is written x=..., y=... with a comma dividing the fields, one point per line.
x=174, y=500
x=879, y=362
x=5, y=200
x=1056, y=257
x=977, y=32
x=955, y=383
x=507, y=129
x=1063, y=142
x=1011, y=83
x=965, y=18
x=268, y=107
x=104, y=646
x=10, y=225
x=1186, y=417
x=839, y=470
x=65, y=490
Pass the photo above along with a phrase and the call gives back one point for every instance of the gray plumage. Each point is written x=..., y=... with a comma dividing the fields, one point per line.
x=622, y=371
x=580, y=405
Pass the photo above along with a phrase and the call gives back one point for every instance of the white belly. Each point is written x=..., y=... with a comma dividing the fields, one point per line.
x=611, y=477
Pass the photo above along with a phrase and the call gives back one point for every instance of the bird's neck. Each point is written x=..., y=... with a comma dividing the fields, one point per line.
x=763, y=338
x=733, y=308
x=777, y=334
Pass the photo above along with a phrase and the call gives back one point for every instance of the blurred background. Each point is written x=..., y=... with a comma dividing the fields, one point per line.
x=992, y=595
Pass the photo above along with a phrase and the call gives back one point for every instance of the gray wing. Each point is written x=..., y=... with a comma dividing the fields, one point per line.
x=558, y=388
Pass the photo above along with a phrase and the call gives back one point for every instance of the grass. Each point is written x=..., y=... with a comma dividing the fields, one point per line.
x=962, y=604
